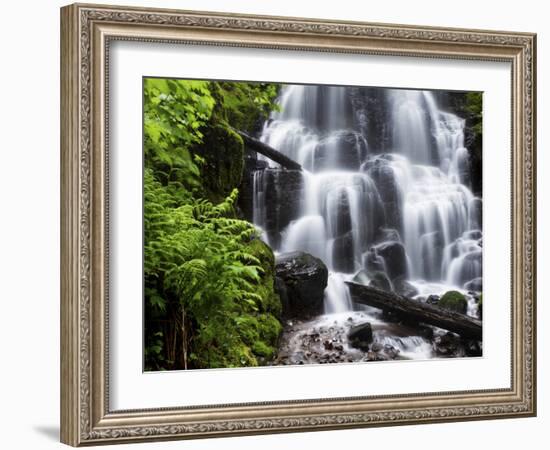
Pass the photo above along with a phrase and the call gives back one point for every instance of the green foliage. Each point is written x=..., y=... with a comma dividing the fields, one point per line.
x=454, y=301
x=244, y=105
x=209, y=296
x=474, y=107
x=174, y=112
x=223, y=156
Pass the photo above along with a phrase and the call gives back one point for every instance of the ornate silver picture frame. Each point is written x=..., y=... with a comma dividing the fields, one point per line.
x=87, y=33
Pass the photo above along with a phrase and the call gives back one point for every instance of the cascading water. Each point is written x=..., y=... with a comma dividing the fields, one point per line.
x=408, y=213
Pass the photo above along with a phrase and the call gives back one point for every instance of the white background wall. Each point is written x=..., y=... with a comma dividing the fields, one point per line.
x=29, y=222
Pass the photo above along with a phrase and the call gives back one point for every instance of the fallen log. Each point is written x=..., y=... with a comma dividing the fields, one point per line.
x=464, y=325
x=259, y=147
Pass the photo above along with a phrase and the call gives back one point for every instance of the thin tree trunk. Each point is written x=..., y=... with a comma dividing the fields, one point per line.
x=184, y=337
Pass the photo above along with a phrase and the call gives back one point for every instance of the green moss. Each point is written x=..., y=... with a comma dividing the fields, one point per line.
x=263, y=329
x=454, y=301
x=222, y=153
x=271, y=303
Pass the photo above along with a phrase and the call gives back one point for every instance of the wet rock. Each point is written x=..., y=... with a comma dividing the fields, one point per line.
x=343, y=215
x=395, y=258
x=345, y=149
x=475, y=285
x=447, y=345
x=342, y=251
x=426, y=332
x=433, y=299
x=371, y=115
x=376, y=347
x=360, y=336
x=404, y=288
x=470, y=267
x=305, y=278
x=383, y=176
x=473, y=348
x=372, y=261
x=388, y=234
x=283, y=191
x=380, y=280
x=476, y=214
x=431, y=247
x=246, y=189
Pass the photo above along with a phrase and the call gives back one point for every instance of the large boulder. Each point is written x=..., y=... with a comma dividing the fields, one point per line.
x=395, y=258
x=360, y=336
x=343, y=149
x=282, y=193
x=304, y=278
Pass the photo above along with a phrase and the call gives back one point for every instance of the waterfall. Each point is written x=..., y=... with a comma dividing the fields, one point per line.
x=408, y=212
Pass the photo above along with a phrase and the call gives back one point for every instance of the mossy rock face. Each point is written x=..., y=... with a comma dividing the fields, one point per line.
x=454, y=301
x=264, y=327
x=271, y=303
x=223, y=153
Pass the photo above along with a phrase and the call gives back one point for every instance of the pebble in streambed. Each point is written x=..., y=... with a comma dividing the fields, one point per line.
x=324, y=340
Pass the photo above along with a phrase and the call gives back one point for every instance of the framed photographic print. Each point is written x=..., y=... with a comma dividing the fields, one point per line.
x=276, y=224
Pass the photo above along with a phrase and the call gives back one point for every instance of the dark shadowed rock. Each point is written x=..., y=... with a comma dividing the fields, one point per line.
x=343, y=214
x=246, y=189
x=342, y=253
x=383, y=176
x=475, y=285
x=344, y=149
x=388, y=234
x=283, y=191
x=377, y=279
x=360, y=336
x=476, y=214
x=305, y=278
x=404, y=288
x=372, y=261
x=371, y=115
x=380, y=280
x=431, y=247
x=395, y=258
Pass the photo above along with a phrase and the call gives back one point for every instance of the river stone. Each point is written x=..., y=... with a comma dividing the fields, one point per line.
x=475, y=285
x=343, y=150
x=304, y=278
x=360, y=336
x=395, y=258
